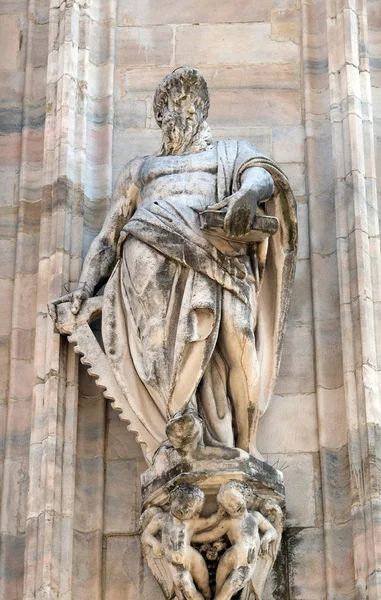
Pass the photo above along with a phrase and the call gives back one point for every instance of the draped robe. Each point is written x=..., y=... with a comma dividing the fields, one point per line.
x=165, y=299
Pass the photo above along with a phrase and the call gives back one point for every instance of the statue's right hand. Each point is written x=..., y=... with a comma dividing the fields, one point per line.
x=77, y=298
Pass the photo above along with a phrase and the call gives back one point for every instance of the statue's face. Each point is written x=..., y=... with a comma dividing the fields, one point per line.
x=186, y=105
x=232, y=501
x=181, y=119
x=186, y=508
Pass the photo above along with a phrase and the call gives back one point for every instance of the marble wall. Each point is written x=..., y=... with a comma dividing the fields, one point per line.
x=301, y=79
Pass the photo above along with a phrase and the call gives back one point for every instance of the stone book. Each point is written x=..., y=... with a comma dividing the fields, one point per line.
x=262, y=227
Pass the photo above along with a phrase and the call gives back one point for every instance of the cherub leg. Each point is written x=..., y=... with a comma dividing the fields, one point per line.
x=184, y=581
x=200, y=574
x=234, y=583
x=231, y=577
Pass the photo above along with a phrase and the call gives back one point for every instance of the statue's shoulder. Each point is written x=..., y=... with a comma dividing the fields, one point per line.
x=237, y=147
x=131, y=170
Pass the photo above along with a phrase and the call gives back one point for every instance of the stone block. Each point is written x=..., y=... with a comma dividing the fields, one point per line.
x=10, y=32
x=306, y=564
x=253, y=108
x=139, y=46
x=122, y=497
x=301, y=498
x=259, y=136
x=296, y=373
x=150, y=587
x=9, y=194
x=4, y=367
x=101, y=42
x=12, y=568
x=25, y=288
x=38, y=34
x=12, y=86
x=289, y=425
x=8, y=7
x=133, y=142
x=98, y=145
x=286, y=4
x=301, y=300
x=288, y=144
x=161, y=12
x=10, y=150
x=132, y=112
x=286, y=24
x=231, y=44
x=15, y=495
x=329, y=366
x=339, y=559
x=273, y=75
x=303, y=231
x=297, y=176
x=87, y=565
x=121, y=443
x=18, y=430
x=6, y=298
x=336, y=483
x=332, y=417
x=21, y=379
x=122, y=568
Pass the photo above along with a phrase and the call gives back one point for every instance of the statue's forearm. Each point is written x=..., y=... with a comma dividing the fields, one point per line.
x=98, y=264
x=259, y=182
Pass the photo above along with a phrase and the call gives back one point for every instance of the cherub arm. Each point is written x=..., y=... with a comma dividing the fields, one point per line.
x=202, y=523
x=212, y=534
x=270, y=536
x=101, y=257
x=148, y=537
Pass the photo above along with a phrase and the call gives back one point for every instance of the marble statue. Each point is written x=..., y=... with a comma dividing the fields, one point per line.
x=178, y=527
x=243, y=529
x=196, y=261
x=198, y=252
x=249, y=535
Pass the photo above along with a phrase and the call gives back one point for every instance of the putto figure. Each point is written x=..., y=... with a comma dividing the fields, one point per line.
x=176, y=528
x=250, y=535
x=198, y=253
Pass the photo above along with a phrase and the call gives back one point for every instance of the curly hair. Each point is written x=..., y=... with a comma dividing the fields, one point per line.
x=186, y=78
x=184, y=493
x=238, y=486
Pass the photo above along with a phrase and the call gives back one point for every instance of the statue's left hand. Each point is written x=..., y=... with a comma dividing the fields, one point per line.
x=77, y=298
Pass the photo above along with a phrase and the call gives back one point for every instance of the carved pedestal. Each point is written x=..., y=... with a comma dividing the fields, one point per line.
x=212, y=517
x=211, y=523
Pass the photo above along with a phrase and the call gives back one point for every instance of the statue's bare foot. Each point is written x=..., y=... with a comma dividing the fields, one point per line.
x=185, y=432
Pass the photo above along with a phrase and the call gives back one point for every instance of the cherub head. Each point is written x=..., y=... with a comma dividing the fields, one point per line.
x=181, y=105
x=187, y=501
x=233, y=497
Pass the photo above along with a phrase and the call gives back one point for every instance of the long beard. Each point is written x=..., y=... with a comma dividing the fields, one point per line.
x=179, y=134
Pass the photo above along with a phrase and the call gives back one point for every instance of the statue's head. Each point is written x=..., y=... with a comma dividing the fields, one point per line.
x=186, y=501
x=181, y=106
x=233, y=497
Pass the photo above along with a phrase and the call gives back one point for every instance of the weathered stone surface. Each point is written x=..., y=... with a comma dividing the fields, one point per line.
x=138, y=46
x=159, y=13
x=80, y=90
x=252, y=43
x=122, y=567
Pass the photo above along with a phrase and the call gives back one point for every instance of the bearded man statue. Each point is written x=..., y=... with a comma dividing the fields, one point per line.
x=194, y=314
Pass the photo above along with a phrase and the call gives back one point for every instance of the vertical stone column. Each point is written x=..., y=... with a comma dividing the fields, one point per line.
x=330, y=394
x=24, y=40
x=359, y=264
x=72, y=169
